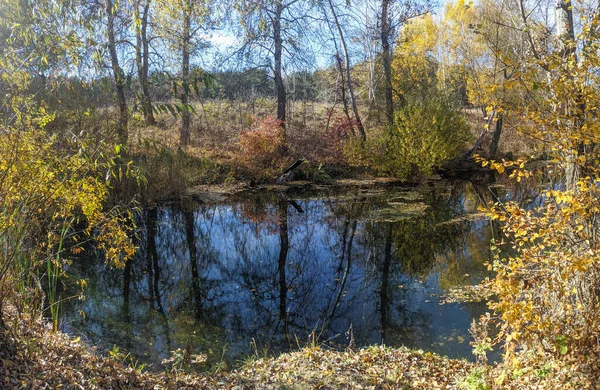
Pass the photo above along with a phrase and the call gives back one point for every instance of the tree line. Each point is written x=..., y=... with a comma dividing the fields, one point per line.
x=373, y=57
x=146, y=46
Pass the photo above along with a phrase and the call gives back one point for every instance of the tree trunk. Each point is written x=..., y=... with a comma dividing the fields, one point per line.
x=385, y=282
x=127, y=286
x=154, y=272
x=184, y=137
x=196, y=297
x=566, y=34
x=338, y=61
x=346, y=255
x=361, y=129
x=151, y=251
x=142, y=58
x=118, y=75
x=564, y=24
x=496, y=137
x=279, y=85
x=386, y=58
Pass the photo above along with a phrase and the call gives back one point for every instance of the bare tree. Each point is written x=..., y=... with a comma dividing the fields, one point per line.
x=359, y=124
x=118, y=73
x=273, y=30
x=142, y=54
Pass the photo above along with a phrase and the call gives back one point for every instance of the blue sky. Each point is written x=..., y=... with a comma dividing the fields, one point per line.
x=221, y=41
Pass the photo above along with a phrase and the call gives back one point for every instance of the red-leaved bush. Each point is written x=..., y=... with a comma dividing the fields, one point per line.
x=341, y=129
x=262, y=148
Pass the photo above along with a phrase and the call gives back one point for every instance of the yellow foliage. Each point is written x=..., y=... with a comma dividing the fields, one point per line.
x=548, y=288
x=413, y=61
x=53, y=190
x=460, y=45
x=42, y=186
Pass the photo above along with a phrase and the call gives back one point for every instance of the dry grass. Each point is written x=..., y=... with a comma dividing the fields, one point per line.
x=217, y=124
x=33, y=357
x=214, y=154
x=372, y=368
x=215, y=134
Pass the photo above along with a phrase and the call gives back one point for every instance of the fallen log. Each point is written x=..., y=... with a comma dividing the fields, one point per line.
x=288, y=174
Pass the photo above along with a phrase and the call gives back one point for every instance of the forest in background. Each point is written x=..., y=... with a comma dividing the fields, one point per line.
x=109, y=106
x=201, y=77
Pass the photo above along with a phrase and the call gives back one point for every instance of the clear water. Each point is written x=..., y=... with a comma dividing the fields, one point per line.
x=266, y=274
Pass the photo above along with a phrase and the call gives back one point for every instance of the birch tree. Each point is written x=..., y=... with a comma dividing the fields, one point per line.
x=111, y=9
x=273, y=31
x=142, y=56
x=347, y=66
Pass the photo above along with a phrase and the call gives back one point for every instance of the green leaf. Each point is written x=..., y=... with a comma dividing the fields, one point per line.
x=563, y=349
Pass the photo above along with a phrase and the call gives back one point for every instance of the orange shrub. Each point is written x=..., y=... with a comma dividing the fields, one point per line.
x=340, y=130
x=262, y=148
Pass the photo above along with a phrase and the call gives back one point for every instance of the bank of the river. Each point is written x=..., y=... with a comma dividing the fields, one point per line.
x=34, y=357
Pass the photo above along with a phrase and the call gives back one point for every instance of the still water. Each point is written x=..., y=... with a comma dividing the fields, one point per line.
x=266, y=274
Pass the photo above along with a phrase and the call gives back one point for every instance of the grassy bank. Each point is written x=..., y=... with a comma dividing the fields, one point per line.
x=239, y=142
x=33, y=357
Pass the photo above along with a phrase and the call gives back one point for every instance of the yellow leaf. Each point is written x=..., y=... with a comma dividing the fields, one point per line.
x=500, y=380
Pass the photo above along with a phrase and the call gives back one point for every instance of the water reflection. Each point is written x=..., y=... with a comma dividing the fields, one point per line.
x=359, y=267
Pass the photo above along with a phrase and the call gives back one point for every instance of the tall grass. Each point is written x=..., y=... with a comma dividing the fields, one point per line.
x=53, y=270
x=51, y=190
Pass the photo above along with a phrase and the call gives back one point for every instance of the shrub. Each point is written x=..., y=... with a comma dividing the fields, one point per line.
x=262, y=149
x=547, y=277
x=339, y=132
x=426, y=134
x=548, y=291
x=52, y=202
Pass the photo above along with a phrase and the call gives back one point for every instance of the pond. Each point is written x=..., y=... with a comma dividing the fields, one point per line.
x=269, y=273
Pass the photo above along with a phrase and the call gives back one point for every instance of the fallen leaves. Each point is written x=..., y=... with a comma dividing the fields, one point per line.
x=375, y=367
x=32, y=357
x=463, y=294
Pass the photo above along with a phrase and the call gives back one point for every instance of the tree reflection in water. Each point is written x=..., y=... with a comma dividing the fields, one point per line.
x=271, y=272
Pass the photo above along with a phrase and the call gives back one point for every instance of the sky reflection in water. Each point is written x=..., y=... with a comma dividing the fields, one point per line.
x=262, y=275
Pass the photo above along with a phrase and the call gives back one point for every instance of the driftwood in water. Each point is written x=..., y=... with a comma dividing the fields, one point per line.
x=461, y=167
x=487, y=142
x=288, y=174
x=486, y=146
